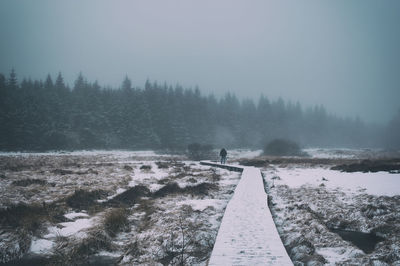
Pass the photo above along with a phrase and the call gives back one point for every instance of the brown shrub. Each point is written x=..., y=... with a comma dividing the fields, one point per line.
x=162, y=165
x=174, y=188
x=169, y=188
x=83, y=199
x=128, y=168
x=200, y=189
x=145, y=167
x=130, y=196
x=115, y=221
x=70, y=252
x=30, y=217
x=28, y=182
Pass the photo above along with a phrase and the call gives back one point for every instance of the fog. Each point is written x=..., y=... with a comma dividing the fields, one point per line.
x=342, y=54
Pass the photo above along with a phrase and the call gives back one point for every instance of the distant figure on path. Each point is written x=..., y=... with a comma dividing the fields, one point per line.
x=223, y=154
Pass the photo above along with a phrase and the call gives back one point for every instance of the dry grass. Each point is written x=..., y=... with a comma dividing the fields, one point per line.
x=30, y=217
x=115, y=221
x=215, y=177
x=28, y=182
x=83, y=199
x=172, y=188
x=130, y=196
x=25, y=221
x=74, y=183
x=163, y=165
x=145, y=167
x=187, y=242
x=78, y=251
x=149, y=208
x=334, y=210
x=128, y=168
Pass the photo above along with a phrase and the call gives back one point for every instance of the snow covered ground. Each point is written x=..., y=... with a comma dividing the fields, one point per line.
x=336, y=153
x=380, y=183
x=171, y=208
x=345, y=153
x=308, y=202
x=238, y=154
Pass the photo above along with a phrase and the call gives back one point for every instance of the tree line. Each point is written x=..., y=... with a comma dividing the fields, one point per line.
x=49, y=115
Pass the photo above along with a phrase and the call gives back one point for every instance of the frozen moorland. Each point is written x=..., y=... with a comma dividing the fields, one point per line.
x=316, y=208
x=130, y=208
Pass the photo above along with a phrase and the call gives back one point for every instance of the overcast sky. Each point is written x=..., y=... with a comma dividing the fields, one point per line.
x=342, y=54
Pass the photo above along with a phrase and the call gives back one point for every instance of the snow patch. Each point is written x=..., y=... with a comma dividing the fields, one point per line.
x=201, y=205
x=380, y=183
x=74, y=215
x=239, y=154
x=336, y=255
x=41, y=246
x=71, y=228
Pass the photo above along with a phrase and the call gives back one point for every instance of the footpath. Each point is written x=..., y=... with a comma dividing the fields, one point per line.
x=247, y=235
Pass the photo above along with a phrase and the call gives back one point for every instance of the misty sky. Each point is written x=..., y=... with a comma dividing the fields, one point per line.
x=342, y=54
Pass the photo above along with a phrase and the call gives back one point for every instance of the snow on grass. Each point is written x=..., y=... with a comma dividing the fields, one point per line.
x=154, y=187
x=202, y=204
x=336, y=255
x=74, y=215
x=242, y=153
x=334, y=153
x=108, y=254
x=147, y=176
x=344, y=153
x=115, y=153
x=159, y=222
x=308, y=202
x=235, y=153
x=112, y=173
x=75, y=228
x=41, y=246
x=380, y=183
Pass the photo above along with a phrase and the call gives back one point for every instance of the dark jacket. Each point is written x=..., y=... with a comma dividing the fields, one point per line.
x=223, y=153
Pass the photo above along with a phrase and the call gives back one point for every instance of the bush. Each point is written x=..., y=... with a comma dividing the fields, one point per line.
x=174, y=188
x=283, y=147
x=115, y=221
x=196, y=151
x=83, y=199
x=71, y=251
x=30, y=217
x=21, y=215
x=28, y=182
x=145, y=167
x=170, y=188
x=130, y=196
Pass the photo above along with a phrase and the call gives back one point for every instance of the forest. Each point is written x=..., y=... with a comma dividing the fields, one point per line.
x=38, y=115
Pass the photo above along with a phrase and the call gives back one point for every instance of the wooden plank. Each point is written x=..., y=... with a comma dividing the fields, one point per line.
x=247, y=234
x=224, y=166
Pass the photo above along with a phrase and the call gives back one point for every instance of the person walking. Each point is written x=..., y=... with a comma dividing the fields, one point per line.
x=223, y=154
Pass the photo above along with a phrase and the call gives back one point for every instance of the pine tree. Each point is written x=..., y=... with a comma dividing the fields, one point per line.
x=12, y=80
x=2, y=83
x=126, y=84
x=48, y=115
x=80, y=83
x=48, y=84
x=60, y=82
x=3, y=112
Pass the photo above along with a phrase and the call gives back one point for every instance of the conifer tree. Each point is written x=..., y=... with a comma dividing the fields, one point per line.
x=12, y=80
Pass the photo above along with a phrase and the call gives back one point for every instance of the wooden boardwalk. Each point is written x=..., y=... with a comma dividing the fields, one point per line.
x=247, y=235
x=225, y=166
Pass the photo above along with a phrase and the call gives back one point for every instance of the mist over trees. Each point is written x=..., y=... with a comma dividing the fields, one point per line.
x=392, y=133
x=48, y=115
